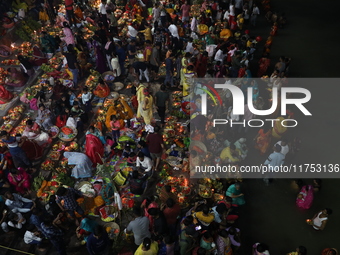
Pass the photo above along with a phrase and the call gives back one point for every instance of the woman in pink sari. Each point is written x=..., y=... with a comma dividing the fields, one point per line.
x=94, y=149
x=305, y=198
x=20, y=180
x=69, y=37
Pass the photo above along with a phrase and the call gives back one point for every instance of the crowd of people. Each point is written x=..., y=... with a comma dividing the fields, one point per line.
x=169, y=41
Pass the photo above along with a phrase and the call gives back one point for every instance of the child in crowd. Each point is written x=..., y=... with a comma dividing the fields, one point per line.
x=86, y=99
x=115, y=126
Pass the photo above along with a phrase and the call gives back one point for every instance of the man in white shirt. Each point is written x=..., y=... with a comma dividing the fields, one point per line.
x=156, y=13
x=173, y=30
x=132, y=32
x=255, y=12
x=103, y=13
x=16, y=202
x=284, y=146
x=144, y=163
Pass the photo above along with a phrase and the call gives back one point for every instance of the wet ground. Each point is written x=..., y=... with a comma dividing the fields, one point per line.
x=270, y=215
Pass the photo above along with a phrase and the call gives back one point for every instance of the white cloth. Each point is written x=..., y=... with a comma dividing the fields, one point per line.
x=173, y=30
x=102, y=9
x=116, y=66
x=219, y=56
x=118, y=201
x=149, y=129
x=17, y=225
x=146, y=163
x=83, y=164
x=71, y=122
x=132, y=31
x=17, y=203
x=256, y=11
x=29, y=237
x=233, y=116
x=189, y=48
x=318, y=221
x=232, y=10
x=226, y=15
x=284, y=149
x=193, y=24
x=86, y=97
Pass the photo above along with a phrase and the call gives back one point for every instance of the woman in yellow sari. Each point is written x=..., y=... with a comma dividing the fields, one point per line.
x=147, y=110
x=278, y=129
x=140, y=98
x=189, y=74
x=225, y=33
x=185, y=63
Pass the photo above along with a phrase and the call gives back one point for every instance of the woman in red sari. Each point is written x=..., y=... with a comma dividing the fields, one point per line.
x=39, y=57
x=94, y=149
x=264, y=63
x=202, y=64
x=20, y=180
x=32, y=150
x=5, y=95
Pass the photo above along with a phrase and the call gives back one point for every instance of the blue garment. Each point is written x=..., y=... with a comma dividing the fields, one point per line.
x=88, y=225
x=169, y=65
x=146, y=152
x=75, y=76
x=70, y=202
x=217, y=215
x=97, y=246
x=83, y=164
x=72, y=97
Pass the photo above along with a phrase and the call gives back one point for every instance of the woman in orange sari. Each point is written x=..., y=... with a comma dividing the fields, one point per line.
x=262, y=140
x=102, y=90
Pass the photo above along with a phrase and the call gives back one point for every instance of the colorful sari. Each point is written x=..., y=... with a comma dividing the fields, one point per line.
x=223, y=245
x=17, y=178
x=278, y=130
x=188, y=80
x=305, y=202
x=263, y=141
x=41, y=139
x=88, y=226
x=94, y=149
x=146, y=214
x=102, y=90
